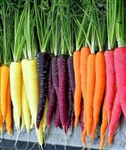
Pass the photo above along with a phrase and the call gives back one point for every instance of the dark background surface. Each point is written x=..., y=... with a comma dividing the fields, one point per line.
x=8, y=145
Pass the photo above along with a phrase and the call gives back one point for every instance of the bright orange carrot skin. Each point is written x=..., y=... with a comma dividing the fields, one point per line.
x=1, y=119
x=77, y=94
x=100, y=70
x=9, y=112
x=83, y=136
x=90, y=91
x=5, y=70
x=104, y=124
x=85, y=51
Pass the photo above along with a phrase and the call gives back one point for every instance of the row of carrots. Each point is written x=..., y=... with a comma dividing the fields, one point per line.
x=44, y=77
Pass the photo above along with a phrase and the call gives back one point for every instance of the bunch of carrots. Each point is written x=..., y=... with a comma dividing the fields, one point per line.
x=63, y=63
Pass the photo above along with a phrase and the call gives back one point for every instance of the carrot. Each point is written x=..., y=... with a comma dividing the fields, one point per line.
x=77, y=94
x=116, y=113
x=120, y=71
x=16, y=90
x=52, y=103
x=83, y=136
x=100, y=71
x=43, y=63
x=25, y=108
x=1, y=119
x=110, y=81
x=90, y=91
x=9, y=120
x=104, y=124
x=33, y=87
x=62, y=74
x=5, y=70
x=85, y=51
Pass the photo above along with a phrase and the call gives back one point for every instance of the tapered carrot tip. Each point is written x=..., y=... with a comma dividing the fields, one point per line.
x=102, y=143
x=37, y=125
x=76, y=123
x=9, y=131
x=110, y=139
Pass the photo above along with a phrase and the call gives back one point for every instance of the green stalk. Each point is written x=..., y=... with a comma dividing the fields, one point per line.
x=7, y=21
x=111, y=23
x=120, y=24
x=100, y=21
x=82, y=30
x=19, y=38
x=69, y=39
x=43, y=24
x=29, y=26
x=55, y=24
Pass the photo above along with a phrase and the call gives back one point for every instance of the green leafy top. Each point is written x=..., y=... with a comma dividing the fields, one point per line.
x=111, y=23
x=100, y=22
x=43, y=23
x=29, y=31
x=120, y=23
x=19, y=38
x=6, y=33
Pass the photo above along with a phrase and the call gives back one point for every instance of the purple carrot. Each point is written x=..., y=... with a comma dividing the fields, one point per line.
x=81, y=116
x=43, y=62
x=70, y=102
x=72, y=119
x=62, y=72
x=71, y=72
x=50, y=82
x=51, y=107
x=55, y=77
x=57, y=121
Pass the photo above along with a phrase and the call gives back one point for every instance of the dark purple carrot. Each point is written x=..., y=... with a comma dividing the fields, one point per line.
x=51, y=108
x=69, y=106
x=71, y=73
x=50, y=82
x=62, y=72
x=72, y=119
x=81, y=116
x=57, y=121
x=55, y=77
x=43, y=62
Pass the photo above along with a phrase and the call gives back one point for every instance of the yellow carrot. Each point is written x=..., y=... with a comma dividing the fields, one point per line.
x=33, y=87
x=16, y=91
x=25, y=109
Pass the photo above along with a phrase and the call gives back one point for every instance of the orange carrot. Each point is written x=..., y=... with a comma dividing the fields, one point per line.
x=100, y=71
x=1, y=119
x=90, y=92
x=83, y=136
x=9, y=112
x=4, y=87
x=104, y=124
x=85, y=51
x=77, y=94
x=93, y=130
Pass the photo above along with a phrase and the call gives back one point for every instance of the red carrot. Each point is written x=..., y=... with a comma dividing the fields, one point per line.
x=110, y=81
x=116, y=112
x=120, y=70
